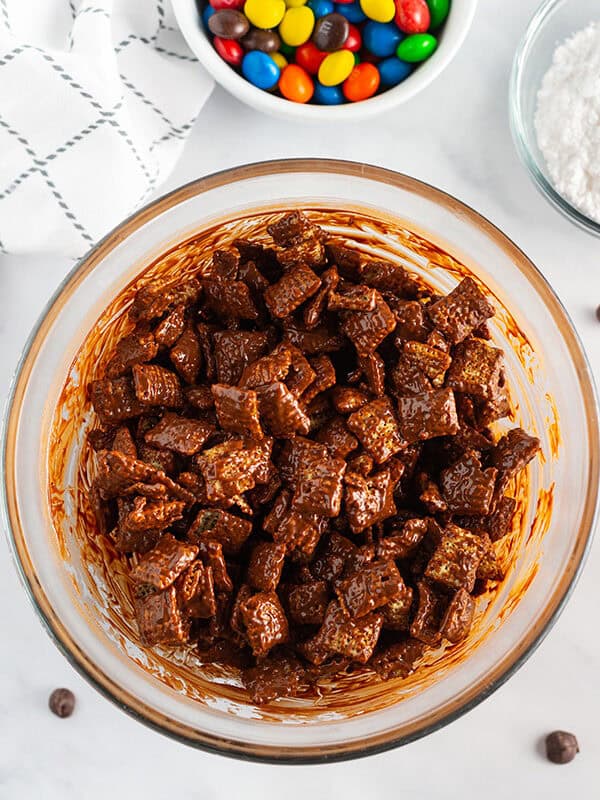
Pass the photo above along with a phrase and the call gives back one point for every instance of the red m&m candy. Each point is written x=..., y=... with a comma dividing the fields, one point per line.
x=353, y=40
x=219, y=4
x=412, y=16
x=309, y=57
x=229, y=50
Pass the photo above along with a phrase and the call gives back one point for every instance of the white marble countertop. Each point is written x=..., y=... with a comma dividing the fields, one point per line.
x=455, y=135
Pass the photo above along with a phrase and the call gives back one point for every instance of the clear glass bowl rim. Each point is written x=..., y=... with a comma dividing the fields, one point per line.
x=17, y=539
x=519, y=129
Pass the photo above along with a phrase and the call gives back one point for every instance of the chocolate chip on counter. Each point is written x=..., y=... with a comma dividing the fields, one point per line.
x=561, y=747
x=62, y=702
x=598, y=313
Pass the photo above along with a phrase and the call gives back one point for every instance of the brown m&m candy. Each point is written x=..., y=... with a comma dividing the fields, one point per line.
x=228, y=24
x=331, y=31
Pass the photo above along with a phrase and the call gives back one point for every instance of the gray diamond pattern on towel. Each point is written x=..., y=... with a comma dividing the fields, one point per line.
x=97, y=98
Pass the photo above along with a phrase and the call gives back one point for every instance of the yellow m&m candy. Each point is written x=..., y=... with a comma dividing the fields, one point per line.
x=265, y=13
x=297, y=25
x=336, y=67
x=295, y=3
x=379, y=10
x=280, y=60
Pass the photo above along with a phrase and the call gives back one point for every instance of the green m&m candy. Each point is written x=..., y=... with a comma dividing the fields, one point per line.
x=438, y=11
x=417, y=47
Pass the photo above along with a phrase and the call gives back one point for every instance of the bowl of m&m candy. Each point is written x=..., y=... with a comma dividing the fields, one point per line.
x=322, y=59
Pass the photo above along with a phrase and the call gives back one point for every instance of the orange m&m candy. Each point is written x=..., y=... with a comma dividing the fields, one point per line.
x=296, y=84
x=362, y=82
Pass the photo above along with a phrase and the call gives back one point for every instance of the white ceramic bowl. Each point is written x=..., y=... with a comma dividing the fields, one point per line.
x=451, y=38
x=79, y=587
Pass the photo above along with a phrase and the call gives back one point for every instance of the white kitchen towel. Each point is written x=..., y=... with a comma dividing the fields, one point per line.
x=97, y=98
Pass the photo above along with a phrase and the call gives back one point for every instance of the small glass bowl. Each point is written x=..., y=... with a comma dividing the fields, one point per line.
x=553, y=22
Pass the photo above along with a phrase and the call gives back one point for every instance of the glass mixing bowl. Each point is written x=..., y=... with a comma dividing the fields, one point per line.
x=553, y=22
x=77, y=585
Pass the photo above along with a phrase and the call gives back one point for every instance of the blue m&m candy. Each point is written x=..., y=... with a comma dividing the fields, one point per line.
x=328, y=95
x=381, y=38
x=260, y=69
x=352, y=11
x=392, y=71
x=207, y=14
x=321, y=8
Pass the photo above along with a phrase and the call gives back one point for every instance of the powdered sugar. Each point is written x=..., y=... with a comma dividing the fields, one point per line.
x=567, y=120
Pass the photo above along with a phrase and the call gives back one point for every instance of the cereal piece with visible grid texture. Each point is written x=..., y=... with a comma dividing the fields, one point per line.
x=369, y=588
x=337, y=438
x=265, y=622
x=313, y=310
x=279, y=675
x=280, y=410
x=114, y=400
x=402, y=543
x=230, y=299
x=398, y=660
x=137, y=348
x=186, y=355
x=265, y=566
x=459, y=313
x=308, y=602
x=298, y=240
x=353, y=298
x=377, y=429
x=157, y=386
x=235, y=466
x=368, y=500
x=196, y=591
x=235, y=350
x=216, y=525
x=171, y=327
x=152, y=300
x=396, y=613
x=301, y=374
x=293, y=288
x=318, y=487
x=373, y=368
x=162, y=565
x=324, y=379
x=428, y=618
x=157, y=516
x=237, y=410
x=407, y=379
x=180, y=434
x=455, y=560
x=467, y=488
x=159, y=618
x=367, y=329
x=512, y=453
x=476, y=369
x=389, y=277
x=347, y=399
x=458, y=618
x=342, y=635
x=433, y=363
x=428, y=415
